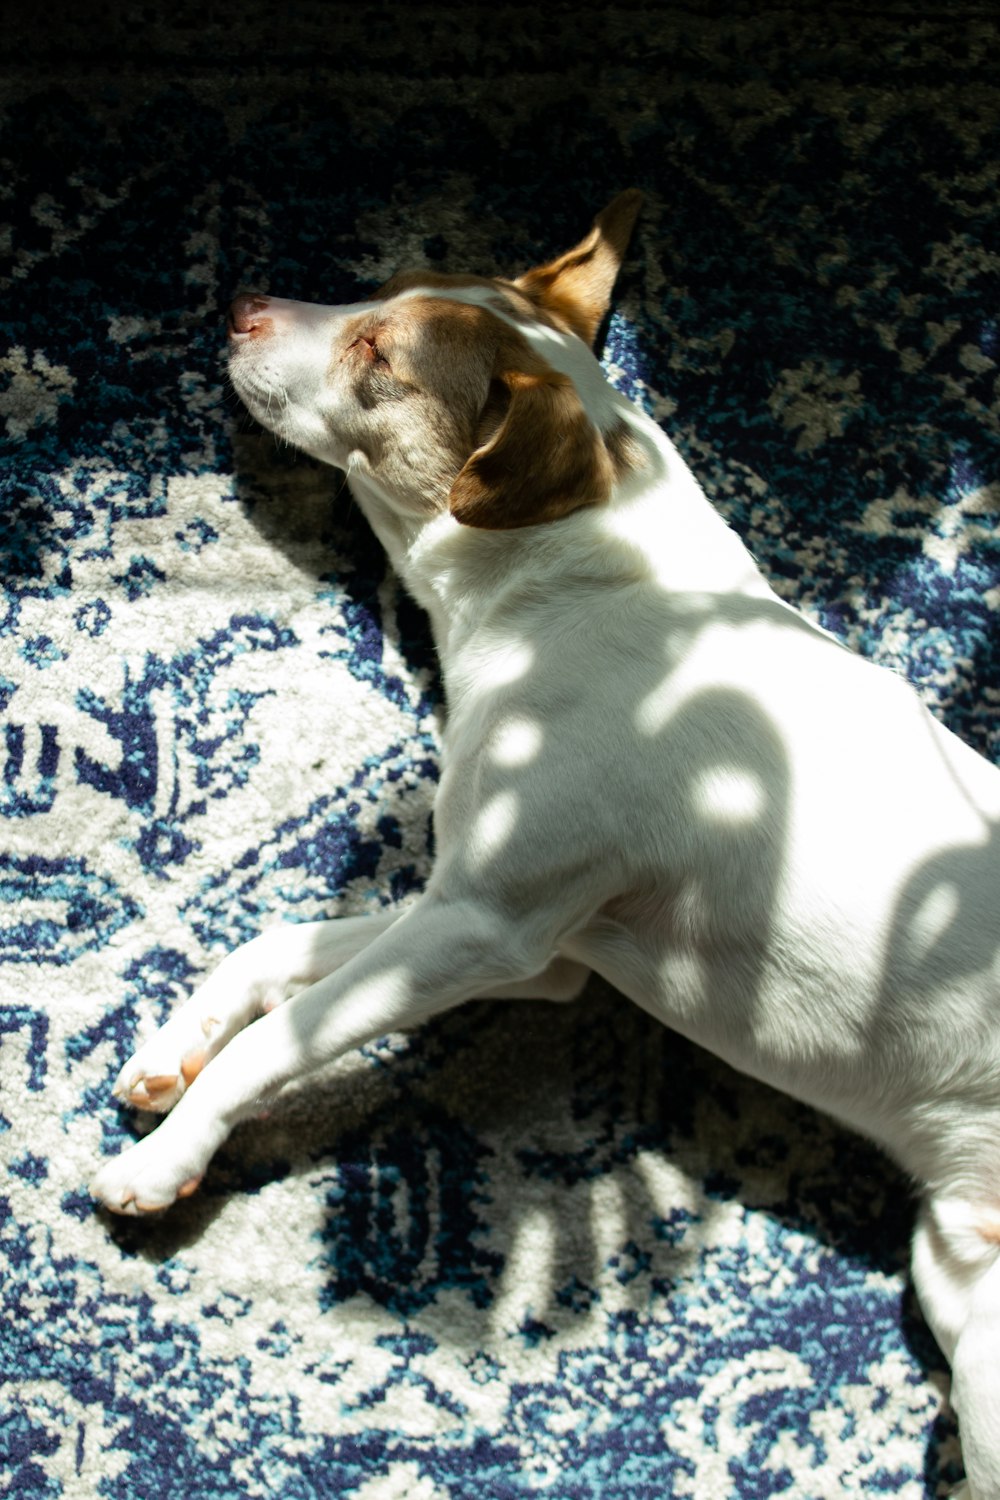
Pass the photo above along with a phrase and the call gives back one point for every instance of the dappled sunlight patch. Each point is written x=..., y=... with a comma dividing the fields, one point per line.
x=517, y=743
x=728, y=794
x=493, y=827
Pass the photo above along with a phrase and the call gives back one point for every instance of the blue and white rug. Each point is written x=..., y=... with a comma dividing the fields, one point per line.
x=525, y=1250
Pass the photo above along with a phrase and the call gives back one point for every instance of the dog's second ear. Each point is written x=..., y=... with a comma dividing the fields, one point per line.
x=540, y=455
x=545, y=459
x=577, y=286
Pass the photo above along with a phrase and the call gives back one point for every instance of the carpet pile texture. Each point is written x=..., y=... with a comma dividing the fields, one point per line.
x=524, y=1250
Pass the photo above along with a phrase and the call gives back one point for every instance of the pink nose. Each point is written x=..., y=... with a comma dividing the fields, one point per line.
x=248, y=313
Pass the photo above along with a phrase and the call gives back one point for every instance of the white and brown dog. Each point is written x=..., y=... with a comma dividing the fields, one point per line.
x=654, y=769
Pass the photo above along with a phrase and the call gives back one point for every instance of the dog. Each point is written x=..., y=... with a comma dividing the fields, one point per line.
x=654, y=769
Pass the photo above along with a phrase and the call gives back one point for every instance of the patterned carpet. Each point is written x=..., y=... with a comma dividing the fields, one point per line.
x=526, y=1250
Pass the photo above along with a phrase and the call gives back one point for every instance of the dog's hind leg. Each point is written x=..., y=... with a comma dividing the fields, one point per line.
x=976, y=1387
x=956, y=1270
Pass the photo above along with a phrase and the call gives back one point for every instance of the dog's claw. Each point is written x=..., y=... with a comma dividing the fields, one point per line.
x=151, y=1094
x=126, y=1206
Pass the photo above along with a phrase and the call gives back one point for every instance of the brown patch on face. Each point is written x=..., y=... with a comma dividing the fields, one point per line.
x=990, y=1230
x=511, y=298
x=433, y=354
x=418, y=374
x=463, y=382
x=420, y=340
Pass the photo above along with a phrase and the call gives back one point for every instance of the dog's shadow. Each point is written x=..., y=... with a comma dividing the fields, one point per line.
x=540, y=1163
x=304, y=510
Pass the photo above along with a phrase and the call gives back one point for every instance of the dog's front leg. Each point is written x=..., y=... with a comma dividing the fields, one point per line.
x=249, y=982
x=437, y=954
x=264, y=973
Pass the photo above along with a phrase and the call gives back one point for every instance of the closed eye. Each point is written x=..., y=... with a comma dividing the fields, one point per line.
x=371, y=351
x=374, y=371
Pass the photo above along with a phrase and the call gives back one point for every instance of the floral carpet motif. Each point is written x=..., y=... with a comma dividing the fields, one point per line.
x=525, y=1249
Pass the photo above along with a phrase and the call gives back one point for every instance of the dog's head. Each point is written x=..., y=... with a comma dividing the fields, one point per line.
x=472, y=394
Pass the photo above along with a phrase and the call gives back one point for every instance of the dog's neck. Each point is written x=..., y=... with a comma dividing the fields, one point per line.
x=452, y=571
x=658, y=525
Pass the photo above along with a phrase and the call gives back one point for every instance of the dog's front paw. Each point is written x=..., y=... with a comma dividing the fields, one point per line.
x=149, y=1176
x=160, y=1072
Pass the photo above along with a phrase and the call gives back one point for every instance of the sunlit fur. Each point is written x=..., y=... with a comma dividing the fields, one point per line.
x=653, y=768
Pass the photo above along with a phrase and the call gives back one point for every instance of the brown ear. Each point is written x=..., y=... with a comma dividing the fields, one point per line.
x=546, y=459
x=577, y=286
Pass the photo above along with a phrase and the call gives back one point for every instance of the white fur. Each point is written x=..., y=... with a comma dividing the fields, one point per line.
x=658, y=771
